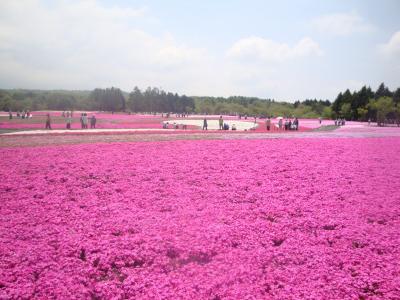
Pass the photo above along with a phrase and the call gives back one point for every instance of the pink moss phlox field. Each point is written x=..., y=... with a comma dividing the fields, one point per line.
x=124, y=120
x=244, y=219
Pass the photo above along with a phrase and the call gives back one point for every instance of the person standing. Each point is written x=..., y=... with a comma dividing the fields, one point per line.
x=85, y=121
x=296, y=124
x=93, y=122
x=221, y=123
x=10, y=116
x=69, y=121
x=205, y=125
x=280, y=123
x=48, y=122
x=268, y=123
x=81, y=119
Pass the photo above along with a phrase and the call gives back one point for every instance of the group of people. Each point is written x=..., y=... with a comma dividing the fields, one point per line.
x=221, y=124
x=177, y=115
x=289, y=124
x=84, y=121
x=21, y=114
x=340, y=122
x=68, y=117
x=174, y=126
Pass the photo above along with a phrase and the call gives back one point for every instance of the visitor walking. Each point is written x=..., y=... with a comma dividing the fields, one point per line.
x=280, y=123
x=205, y=125
x=48, y=122
x=221, y=123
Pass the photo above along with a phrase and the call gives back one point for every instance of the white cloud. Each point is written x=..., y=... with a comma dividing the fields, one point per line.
x=178, y=55
x=74, y=44
x=341, y=24
x=83, y=44
x=392, y=47
x=260, y=49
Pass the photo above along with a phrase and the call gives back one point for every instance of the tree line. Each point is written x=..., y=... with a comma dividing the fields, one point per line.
x=362, y=105
x=380, y=106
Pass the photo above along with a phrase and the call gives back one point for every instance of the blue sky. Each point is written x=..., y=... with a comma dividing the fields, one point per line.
x=286, y=50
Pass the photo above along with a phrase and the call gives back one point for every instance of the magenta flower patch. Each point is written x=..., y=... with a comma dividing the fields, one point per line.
x=238, y=219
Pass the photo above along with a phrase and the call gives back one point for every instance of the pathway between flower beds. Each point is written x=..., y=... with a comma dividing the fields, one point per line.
x=285, y=219
x=88, y=131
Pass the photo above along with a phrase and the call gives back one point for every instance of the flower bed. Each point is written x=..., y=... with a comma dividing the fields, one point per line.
x=123, y=120
x=254, y=219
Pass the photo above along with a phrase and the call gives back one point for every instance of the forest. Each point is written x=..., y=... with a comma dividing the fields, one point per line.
x=381, y=105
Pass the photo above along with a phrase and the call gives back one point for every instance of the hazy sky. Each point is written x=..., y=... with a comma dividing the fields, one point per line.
x=286, y=50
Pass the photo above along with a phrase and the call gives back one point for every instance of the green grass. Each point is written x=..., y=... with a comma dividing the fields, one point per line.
x=326, y=128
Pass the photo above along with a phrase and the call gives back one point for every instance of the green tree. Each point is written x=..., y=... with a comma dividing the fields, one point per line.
x=396, y=96
x=345, y=110
x=383, y=106
x=327, y=113
x=362, y=113
x=382, y=91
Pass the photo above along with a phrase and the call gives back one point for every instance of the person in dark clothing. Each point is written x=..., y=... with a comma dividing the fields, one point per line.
x=93, y=122
x=205, y=125
x=81, y=119
x=48, y=122
x=286, y=124
x=268, y=123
